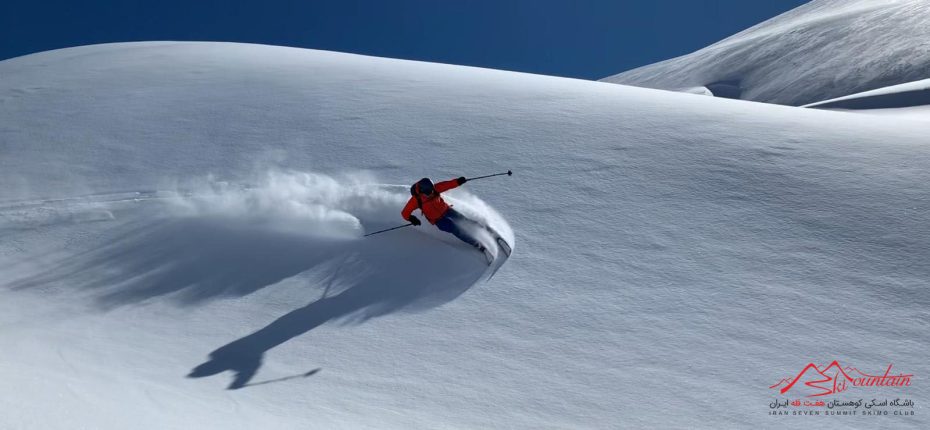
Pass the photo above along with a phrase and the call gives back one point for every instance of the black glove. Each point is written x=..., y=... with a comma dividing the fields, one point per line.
x=414, y=220
x=461, y=180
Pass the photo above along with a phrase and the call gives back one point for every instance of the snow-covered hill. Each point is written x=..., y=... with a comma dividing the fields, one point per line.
x=177, y=218
x=822, y=50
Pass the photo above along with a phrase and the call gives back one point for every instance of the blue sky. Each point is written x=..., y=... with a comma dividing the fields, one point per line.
x=586, y=39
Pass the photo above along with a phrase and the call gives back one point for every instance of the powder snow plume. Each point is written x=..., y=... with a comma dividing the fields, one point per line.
x=293, y=202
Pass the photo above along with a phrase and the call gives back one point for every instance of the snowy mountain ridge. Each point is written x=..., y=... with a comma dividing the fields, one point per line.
x=822, y=50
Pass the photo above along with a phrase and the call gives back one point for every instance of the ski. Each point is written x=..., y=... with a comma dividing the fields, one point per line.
x=504, y=246
x=488, y=255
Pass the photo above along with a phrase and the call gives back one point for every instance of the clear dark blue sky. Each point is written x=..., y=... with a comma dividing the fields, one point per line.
x=578, y=38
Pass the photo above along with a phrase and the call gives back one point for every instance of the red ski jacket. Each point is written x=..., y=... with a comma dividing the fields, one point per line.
x=432, y=206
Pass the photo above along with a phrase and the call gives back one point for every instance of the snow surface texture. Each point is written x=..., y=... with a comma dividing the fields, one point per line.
x=183, y=218
x=821, y=50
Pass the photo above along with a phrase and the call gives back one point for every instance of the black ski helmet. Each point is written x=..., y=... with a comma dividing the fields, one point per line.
x=424, y=186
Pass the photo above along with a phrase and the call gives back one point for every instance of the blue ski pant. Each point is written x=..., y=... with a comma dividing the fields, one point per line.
x=452, y=222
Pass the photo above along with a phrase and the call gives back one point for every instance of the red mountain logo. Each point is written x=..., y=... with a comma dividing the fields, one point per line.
x=834, y=378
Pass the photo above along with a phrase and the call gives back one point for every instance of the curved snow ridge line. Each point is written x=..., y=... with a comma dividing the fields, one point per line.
x=778, y=25
x=909, y=94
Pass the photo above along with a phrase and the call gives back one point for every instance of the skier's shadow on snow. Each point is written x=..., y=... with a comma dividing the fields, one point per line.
x=369, y=279
x=194, y=260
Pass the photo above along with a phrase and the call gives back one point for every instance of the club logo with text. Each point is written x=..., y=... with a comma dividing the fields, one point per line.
x=816, y=381
x=853, y=392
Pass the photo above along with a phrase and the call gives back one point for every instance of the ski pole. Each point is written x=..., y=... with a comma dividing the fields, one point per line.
x=508, y=173
x=389, y=229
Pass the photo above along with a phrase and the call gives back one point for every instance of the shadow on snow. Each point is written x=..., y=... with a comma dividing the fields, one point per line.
x=193, y=260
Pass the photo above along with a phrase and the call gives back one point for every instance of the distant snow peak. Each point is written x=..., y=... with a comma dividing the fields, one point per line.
x=822, y=50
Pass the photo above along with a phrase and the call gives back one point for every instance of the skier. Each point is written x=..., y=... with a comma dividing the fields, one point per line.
x=426, y=197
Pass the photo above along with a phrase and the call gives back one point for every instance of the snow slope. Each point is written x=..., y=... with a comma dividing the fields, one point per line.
x=910, y=94
x=182, y=218
x=821, y=50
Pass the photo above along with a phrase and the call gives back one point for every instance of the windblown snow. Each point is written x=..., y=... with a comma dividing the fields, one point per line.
x=822, y=50
x=181, y=246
